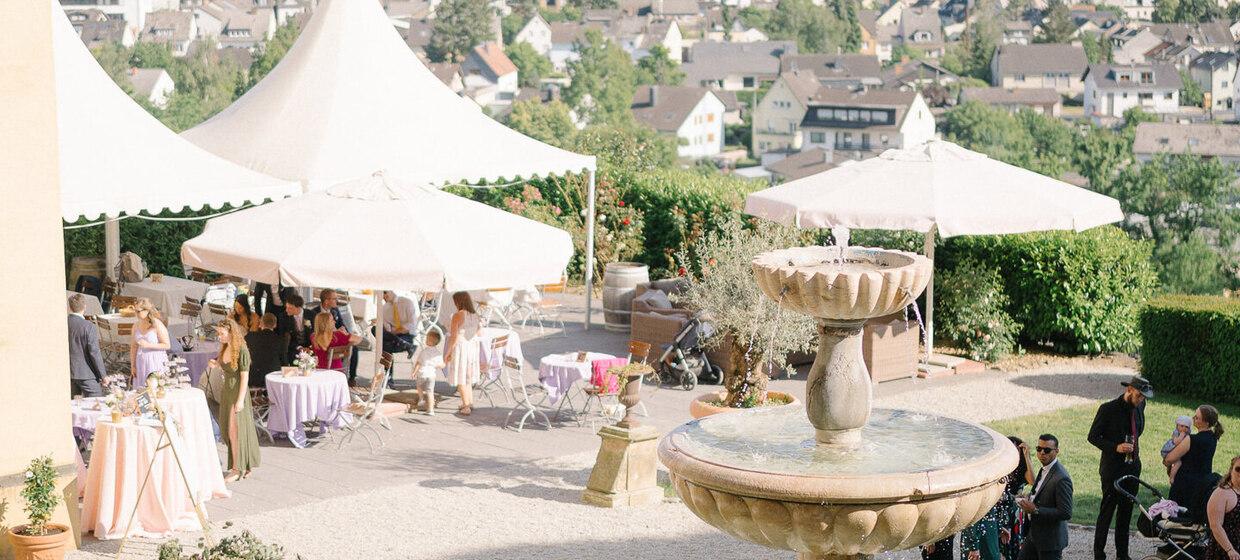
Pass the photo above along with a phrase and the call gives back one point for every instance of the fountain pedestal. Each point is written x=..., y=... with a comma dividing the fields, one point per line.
x=838, y=379
x=625, y=470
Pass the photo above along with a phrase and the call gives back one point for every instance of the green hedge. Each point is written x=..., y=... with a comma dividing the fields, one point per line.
x=1190, y=345
x=1080, y=292
x=158, y=243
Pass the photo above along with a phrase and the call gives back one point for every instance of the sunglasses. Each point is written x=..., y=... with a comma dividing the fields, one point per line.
x=1046, y=449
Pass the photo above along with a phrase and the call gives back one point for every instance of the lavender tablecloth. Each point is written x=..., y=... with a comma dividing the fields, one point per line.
x=558, y=372
x=492, y=362
x=300, y=399
x=85, y=415
x=196, y=359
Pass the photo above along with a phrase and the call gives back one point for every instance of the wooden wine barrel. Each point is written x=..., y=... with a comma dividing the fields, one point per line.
x=620, y=280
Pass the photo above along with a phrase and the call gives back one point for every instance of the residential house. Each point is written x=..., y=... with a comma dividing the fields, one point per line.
x=234, y=25
x=876, y=39
x=97, y=29
x=838, y=70
x=1044, y=101
x=1100, y=24
x=1221, y=141
x=449, y=74
x=1047, y=65
x=417, y=35
x=685, y=12
x=913, y=75
x=809, y=162
x=694, y=115
x=738, y=33
x=1111, y=89
x=1178, y=43
x=638, y=34
x=1018, y=32
x=537, y=33
x=564, y=38
x=1140, y=10
x=1215, y=73
x=133, y=12
x=777, y=116
x=735, y=66
x=921, y=29
x=173, y=28
x=869, y=121
x=154, y=85
x=489, y=76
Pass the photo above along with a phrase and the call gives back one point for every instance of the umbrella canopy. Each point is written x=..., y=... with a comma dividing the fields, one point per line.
x=936, y=184
x=431, y=241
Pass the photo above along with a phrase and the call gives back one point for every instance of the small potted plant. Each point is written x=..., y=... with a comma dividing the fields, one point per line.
x=40, y=539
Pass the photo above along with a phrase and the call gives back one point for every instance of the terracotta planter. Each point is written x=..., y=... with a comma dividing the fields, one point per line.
x=701, y=406
x=43, y=547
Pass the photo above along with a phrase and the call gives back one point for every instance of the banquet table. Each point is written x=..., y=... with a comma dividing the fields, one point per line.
x=168, y=294
x=122, y=455
x=492, y=361
x=196, y=360
x=93, y=307
x=559, y=372
x=177, y=326
x=296, y=399
x=86, y=412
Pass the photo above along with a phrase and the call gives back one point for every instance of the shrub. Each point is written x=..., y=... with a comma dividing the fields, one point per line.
x=157, y=242
x=1080, y=292
x=243, y=546
x=973, y=312
x=1189, y=346
x=39, y=492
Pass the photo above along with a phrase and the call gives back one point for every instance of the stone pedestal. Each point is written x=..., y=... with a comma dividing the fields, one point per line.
x=838, y=390
x=625, y=470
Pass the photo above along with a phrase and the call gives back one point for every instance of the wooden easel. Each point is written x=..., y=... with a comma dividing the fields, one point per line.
x=146, y=402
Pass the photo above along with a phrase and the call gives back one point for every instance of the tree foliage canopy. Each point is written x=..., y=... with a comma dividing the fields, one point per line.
x=459, y=26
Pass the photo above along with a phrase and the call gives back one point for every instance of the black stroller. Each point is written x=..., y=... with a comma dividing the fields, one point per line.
x=684, y=361
x=1183, y=537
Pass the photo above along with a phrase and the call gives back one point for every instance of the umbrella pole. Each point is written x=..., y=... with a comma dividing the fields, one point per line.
x=930, y=294
x=589, y=273
x=378, y=331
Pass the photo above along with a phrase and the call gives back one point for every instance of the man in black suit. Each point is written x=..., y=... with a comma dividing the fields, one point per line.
x=1049, y=507
x=1116, y=431
x=86, y=369
x=268, y=351
x=294, y=325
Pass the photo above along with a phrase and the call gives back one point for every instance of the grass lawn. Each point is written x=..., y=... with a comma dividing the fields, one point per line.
x=1071, y=426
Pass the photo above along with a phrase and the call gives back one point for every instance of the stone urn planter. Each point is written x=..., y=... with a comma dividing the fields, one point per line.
x=51, y=546
x=703, y=405
x=630, y=376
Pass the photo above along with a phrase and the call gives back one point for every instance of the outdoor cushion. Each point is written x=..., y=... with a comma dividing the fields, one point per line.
x=655, y=299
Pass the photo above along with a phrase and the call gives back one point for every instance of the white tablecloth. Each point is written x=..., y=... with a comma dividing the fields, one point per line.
x=558, y=372
x=298, y=399
x=85, y=415
x=491, y=362
x=92, y=303
x=167, y=294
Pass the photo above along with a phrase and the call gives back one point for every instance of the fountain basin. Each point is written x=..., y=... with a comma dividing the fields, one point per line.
x=760, y=475
x=842, y=283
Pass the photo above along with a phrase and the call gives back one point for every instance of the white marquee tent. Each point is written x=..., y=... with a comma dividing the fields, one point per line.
x=115, y=158
x=351, y=98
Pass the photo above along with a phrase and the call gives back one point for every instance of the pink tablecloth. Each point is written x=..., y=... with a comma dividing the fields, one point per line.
x=493, y=361
x=303, y=399
x=558, y=372
x=120, y=459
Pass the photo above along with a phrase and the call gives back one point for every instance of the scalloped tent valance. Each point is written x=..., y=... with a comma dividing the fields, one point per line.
x=350, y=97
x=115, y=158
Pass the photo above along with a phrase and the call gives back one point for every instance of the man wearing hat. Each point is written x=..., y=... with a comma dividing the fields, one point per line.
x=1116, y=431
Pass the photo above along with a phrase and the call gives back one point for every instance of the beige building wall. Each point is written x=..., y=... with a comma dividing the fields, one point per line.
x=777, y=120
x=34, y=354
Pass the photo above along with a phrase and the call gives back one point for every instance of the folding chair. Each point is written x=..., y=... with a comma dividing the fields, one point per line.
x=341, y=353
x=365, y=411
x=110, y=289
x=498, y=304
x=520, y=394
x=217, y=312
x=543, y=310
x=115, y=350
x=121, y=302
x=385, y=361
x=199, y=275
x=192, y=312
x=490, y=383
x=262, y=409
x=599, y=394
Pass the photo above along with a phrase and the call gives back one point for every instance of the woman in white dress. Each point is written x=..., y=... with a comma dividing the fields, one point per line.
x=462, y=350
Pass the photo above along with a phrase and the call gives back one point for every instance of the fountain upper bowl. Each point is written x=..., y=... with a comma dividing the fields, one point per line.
x=842, y=283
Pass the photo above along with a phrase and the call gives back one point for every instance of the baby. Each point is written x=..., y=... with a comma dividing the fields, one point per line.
x=1183, y=425
x=427, y=362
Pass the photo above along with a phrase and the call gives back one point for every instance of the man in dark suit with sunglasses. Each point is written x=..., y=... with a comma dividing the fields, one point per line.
x=1049, y=507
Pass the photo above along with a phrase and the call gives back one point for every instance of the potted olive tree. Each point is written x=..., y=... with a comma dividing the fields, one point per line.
x=39, y=539
x=758, y=334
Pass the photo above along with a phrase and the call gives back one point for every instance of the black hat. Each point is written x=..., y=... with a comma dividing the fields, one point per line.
x=1141, y=384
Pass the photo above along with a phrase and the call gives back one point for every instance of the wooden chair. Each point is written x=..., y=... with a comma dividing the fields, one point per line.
x=341, y=353
x=385, y=361
x=110, y=289
x=199, y=275
x=492, y=380
x=121, y=302
x=521, y=395
x=217, y=311
x=192, y=312
x=113, y=346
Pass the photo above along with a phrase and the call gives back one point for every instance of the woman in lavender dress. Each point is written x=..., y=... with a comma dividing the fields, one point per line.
x=148, y=351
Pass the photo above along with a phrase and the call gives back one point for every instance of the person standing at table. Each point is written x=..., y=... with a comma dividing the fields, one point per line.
x=148, y=351
x=294, y=325
x=235, y=413
x=86, y=369
x=461, y=353
x=268, y=350
x=1116, y=431
x=242, y=314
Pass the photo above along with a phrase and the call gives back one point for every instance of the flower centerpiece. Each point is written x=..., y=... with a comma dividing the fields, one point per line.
x=40, y=538
x=113, y=402
x=306, y=361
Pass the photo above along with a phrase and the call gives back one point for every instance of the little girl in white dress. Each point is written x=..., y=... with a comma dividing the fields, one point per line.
x=427, y=362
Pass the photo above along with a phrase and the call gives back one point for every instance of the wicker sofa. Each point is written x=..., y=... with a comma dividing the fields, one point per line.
x=659, y=326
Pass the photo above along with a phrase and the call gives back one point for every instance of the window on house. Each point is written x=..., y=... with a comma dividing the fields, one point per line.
x=792, y=128
x=1145, y=96
x=853, y=114
x=710, y=117
x=1147, y=77
x=865, y=116
x=865, y=140
x=761, y=145
x=818, y=137
x=841, y=115
x=1224, y=83
x=1169, y=96
x=747, y=82
x=847, y=139
x=883, y=139
x=710, y=137
x=1020, y=77
x=1125, y=95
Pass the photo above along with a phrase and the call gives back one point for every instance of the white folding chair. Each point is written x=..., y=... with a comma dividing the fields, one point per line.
x=496, y=306
x=534, y=305
x=521, y=396
x=491, y=380
x=361, y=415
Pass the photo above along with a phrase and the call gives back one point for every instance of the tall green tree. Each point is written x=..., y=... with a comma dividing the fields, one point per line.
x=531, y=66
x=1181, y=194
x=814, y=28
x=459, y=26
x=603, y=81
x=1190, y=91
x=114, y=58
x=658, y=68
x=1057, y=26
x=1187, y=11
x=848, y=26
x=1097, y=50
x=273, y=51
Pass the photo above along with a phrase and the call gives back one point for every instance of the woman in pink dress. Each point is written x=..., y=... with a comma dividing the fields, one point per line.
x=326, y=337
x=148, y=351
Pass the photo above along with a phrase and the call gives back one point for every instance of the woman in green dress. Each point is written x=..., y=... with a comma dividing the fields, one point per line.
x=235, y=413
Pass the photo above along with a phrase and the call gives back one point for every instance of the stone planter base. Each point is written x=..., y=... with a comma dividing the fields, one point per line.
x=700, y=407
x=625, y=470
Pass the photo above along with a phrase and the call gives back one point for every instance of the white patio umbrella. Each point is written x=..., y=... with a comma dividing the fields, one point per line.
x=379, y=233
x=936, y=186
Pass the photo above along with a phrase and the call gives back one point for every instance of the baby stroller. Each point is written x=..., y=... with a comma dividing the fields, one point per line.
x=684, y=361
x=1183, y=537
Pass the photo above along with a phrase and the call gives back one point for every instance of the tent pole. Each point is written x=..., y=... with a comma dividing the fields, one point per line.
x=111, y=246
x=378, y=331
x=930, y=294
x=589, y=273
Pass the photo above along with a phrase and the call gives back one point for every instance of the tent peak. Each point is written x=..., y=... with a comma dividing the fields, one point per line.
x=933, y=150
x=379, y=186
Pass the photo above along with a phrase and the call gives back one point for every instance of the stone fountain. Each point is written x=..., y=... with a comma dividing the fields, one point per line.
x=850, y=481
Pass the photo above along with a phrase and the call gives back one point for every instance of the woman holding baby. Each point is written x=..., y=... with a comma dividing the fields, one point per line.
x=1190, y=459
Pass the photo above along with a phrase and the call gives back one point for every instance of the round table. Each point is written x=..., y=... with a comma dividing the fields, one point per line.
x=491, y=361
x=168, y=294
x=86, y=412
x=196, y=359
x=296, y=399
x=558, y=372
x=122, y=455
